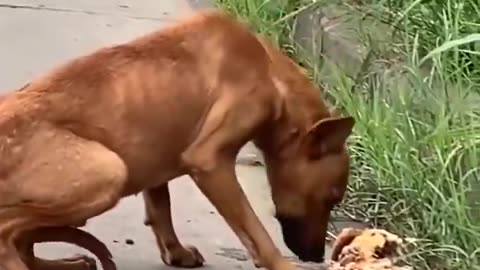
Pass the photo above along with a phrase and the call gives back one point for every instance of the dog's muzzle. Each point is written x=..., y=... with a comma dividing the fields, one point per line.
x=293, y=229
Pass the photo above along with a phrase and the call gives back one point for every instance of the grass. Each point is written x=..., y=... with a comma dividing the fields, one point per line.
x=416, y=144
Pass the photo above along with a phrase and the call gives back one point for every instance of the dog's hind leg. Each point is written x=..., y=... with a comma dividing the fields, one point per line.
x=159, y=218
x=63, y=180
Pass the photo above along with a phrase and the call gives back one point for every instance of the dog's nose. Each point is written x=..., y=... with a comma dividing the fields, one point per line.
x=293, y=230
x=312, y=254
x=316, y=257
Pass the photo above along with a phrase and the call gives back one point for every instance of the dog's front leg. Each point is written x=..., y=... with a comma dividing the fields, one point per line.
x=211, y=163
x=159, y=218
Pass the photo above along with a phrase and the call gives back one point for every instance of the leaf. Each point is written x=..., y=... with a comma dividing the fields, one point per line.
x=452, y=44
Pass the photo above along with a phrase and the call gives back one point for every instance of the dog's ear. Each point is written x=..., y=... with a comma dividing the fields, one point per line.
x=329, y=135
x=343, y=239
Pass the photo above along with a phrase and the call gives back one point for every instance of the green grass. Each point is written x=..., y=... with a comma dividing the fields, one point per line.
x=416, y=144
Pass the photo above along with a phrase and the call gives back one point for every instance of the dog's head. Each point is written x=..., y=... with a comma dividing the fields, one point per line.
x=308, y=179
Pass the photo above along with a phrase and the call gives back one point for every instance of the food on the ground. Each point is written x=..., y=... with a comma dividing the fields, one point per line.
x=369, y=249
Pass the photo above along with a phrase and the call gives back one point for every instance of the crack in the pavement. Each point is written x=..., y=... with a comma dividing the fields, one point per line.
x=86, y=12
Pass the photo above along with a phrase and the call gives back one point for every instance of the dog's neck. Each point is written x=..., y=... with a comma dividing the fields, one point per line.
x=298, y=107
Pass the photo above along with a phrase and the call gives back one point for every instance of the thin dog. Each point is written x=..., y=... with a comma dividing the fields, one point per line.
x=183, y=100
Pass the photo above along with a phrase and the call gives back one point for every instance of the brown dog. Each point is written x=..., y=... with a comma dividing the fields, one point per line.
x=129, y=118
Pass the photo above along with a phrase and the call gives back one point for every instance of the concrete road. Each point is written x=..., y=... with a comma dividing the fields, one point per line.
x=36, y=35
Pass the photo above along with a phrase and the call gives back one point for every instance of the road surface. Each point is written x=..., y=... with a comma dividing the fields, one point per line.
x=36, y=35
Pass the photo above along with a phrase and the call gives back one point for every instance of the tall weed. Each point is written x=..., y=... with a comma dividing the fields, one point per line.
x=416, y=144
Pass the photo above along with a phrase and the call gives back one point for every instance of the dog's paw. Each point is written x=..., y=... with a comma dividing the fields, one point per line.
x=188, y=257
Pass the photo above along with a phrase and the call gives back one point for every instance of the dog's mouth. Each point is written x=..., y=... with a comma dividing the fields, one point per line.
x=293, y=231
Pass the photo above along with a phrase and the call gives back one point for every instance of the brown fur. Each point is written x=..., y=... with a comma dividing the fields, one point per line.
x=128, y=118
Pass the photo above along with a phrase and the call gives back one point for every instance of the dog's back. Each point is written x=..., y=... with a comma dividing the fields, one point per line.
x=152, y=90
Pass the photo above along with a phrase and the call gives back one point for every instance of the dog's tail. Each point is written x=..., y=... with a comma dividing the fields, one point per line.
x=77, y=237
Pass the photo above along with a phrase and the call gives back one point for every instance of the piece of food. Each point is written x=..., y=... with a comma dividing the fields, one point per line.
x=369, y=249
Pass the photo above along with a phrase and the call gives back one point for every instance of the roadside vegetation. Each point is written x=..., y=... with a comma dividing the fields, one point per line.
x=416, y=99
